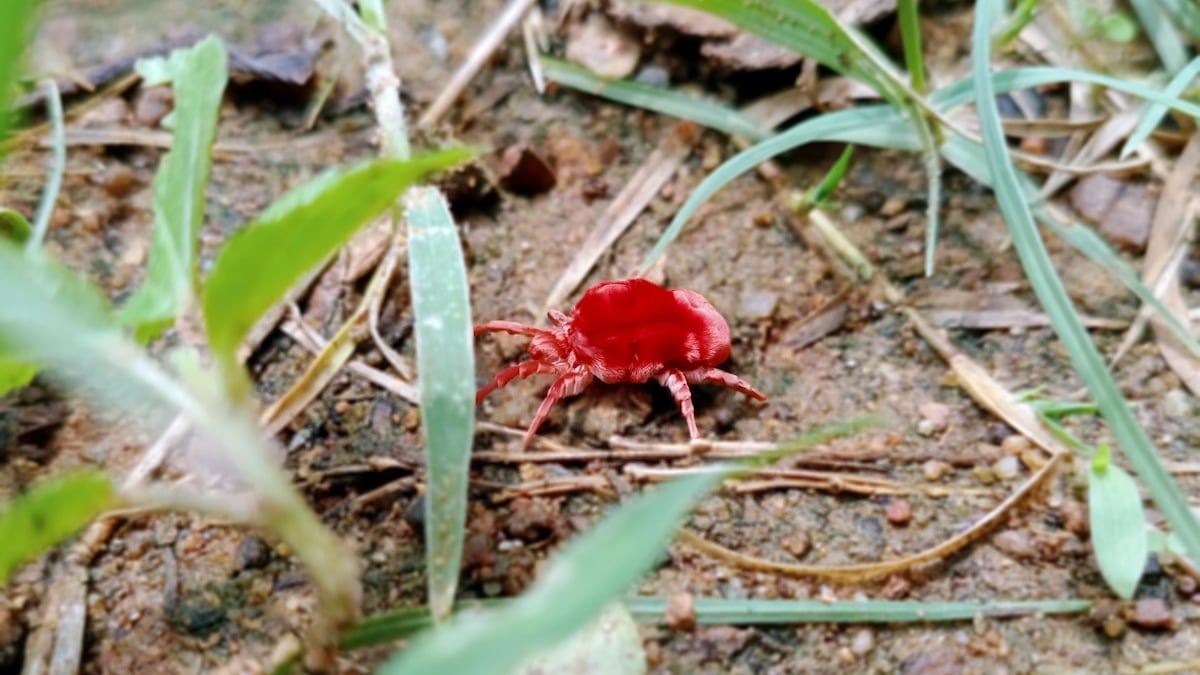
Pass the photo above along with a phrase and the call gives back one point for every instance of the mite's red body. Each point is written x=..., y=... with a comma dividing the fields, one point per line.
x=625, y=331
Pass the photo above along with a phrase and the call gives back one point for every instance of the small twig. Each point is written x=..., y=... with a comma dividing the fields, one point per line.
x=401, y=364
x=157, y=453
x=479, y=55
x=41, y=222
x=332, y=357
x=642, y=187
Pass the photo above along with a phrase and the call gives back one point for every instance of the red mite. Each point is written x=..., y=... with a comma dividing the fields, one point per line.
x=625, y=331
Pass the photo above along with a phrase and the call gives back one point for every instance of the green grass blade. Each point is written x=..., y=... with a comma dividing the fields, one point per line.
x=1156, y=22
x=261, y=262
x=1154, y=112
x=963, y=91
x=49, y=513
x=1186, y=14
x=969, y=157
x=651, y=610
x=701, y=111
x=14, y=373
x=1118, y=525
x=761, y=612
x=880, y=126
x=579, y=582
x=1133, y=440
x=446, y=379
x=806, y=28
x=16, y=29
x=198, y=76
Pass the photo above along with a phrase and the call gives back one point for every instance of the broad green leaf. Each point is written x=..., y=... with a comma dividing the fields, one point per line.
x=16, y=29
x=577, y=584
x=14, y=373
x=1048, y=287
x=446, y=379
x=260, y=263
x=198, y=76
x=48, y=514
x=1118, y=525
x=609, y=644
x=51, y=316
x=13, y=226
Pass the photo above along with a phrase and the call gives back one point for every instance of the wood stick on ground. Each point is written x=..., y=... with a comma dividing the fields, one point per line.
x=479, y=55
x=641, y=187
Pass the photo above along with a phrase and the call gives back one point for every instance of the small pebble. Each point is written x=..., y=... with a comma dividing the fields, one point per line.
x=681, y=612
x=899, y=512
x=1153, y=613
x=1015, y=544
x=936, y=414
x=797, y=544
x=755, y=305
x=862, y=642
x=1015, y=444
x=1177, y=404
x=1074, y=516
x=252, y=553
x=1187, y=584
x=1007, y=468
x=936, y=469
x=892, y=206
x=152, y=105
x=341, y=407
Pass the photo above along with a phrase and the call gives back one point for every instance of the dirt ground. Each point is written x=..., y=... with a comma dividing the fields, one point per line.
x=174, y=593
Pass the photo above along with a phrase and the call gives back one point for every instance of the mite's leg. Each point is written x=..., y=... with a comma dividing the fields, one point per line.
x=718, y=376
x=678, y=384
x=508, y=327
x=569, y=384
x=521, y=370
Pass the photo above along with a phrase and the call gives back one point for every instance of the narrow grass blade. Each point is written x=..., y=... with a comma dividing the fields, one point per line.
x=652, y=610
x=446, y=379
x=41, y=221
x=1118, y=525
x=963, y=91
x=48, y=514
x=701, y=111
x=880, y=126
x=579, y=582
x=1186, y=14
x=1087, y=361
x=806, y=28
x=197, y=75
x=260, y=263
x=1156, y=22
x=1154, y=112
x=969, y=157
x=16, y=28
x=761, y=612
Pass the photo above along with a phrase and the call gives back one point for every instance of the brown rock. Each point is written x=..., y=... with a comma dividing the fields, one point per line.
x=1153, y=613
x=1123, y=211
x=936, y=414
x=524, y=172
x=1015, y=544
x=603, y=48
x=899, y=512
x=681, y=612
x=152, y=105
x=531, y=519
